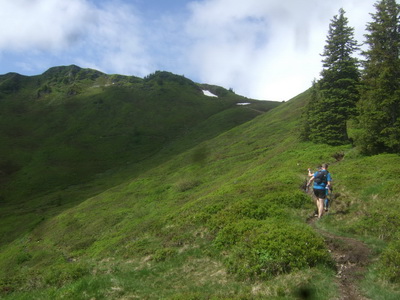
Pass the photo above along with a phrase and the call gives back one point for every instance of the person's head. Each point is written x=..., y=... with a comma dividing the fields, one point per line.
x=325, y=166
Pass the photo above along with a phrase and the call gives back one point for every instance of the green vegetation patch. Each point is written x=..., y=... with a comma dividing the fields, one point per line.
x=390, y=262
x=267, y=248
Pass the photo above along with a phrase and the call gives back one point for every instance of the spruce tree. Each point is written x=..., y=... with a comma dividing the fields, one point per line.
x=379, y=105
x=334, y=100
x=311, y=129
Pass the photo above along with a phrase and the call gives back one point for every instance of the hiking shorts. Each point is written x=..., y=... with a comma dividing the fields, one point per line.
x=321, y=194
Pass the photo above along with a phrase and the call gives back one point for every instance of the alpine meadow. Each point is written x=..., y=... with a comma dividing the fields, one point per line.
x=120, y=187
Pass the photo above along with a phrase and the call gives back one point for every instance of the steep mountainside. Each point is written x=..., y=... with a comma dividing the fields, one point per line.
x=69, y=124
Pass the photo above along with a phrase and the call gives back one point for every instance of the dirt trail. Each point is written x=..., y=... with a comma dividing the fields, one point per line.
x=351, y=257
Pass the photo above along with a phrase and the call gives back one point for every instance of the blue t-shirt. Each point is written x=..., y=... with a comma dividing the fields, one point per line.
x=322, y=185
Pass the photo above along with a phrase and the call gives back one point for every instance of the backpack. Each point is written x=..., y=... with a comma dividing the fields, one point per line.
x=321, y=177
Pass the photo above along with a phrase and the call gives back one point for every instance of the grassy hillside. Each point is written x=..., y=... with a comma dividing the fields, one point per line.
x=222, y=218
x=73, y=126
x=88, y=122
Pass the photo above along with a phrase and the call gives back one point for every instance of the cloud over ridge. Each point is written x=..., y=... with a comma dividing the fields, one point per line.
x=262, y=49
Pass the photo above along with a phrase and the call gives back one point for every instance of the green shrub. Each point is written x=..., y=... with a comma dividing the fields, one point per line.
x=390, y=262
x=184, y=185
x=66, y=273
x=293, y=199
x=258, y=209
x=233, y=233
x=381, y=220
x=200, y=155
x=163, y=254
x=23, y=257
x=262, y=249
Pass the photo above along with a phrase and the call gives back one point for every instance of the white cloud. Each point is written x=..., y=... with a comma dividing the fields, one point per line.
x=108, y=37
x=263, y=49
x=116, y=40
x=45, y=25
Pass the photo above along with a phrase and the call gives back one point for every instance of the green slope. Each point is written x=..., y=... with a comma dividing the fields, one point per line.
x=73, y=126
x=66, y=136
x=225, y=219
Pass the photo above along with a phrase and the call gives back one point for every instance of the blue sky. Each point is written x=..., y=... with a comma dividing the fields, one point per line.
x=263, y=49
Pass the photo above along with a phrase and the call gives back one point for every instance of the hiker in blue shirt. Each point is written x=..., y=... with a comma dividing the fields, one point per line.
x=322, y=181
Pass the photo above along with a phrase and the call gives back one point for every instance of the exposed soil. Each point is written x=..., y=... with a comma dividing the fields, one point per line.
x=352, y=257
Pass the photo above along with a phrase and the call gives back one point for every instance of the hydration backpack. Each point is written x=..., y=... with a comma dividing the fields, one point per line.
x=321, y=177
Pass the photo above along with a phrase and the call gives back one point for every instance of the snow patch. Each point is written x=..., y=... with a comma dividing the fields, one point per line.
x=209, y=94
x=243, y=103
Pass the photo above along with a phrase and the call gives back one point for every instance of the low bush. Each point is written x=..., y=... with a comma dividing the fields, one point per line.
x=60, y=275
x=163, y=254
x=262, y=249
x=23, y=257
x=390, y=262
x=57, y=275
x=382, y=219
x=293, y=199
x=184, y=185
x=232, y=233
x=256, y=209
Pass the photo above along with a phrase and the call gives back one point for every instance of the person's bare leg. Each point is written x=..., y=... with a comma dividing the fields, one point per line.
x=316, y=205
x=320, y=205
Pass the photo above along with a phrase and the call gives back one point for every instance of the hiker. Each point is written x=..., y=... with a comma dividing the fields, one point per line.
x=322, y=181
x=327, y=190
x=310, y=174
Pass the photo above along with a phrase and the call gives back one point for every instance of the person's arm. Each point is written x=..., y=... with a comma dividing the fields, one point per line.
x=311, y=180
x=329, y=183
x=309, y=172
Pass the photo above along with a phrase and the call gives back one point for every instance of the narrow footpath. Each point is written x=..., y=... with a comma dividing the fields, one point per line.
x=352, y=257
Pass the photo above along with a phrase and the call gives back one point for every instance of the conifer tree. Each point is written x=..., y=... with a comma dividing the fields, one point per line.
x=379, y=105
x=310, y=119
x=334, y=100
